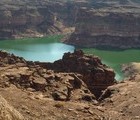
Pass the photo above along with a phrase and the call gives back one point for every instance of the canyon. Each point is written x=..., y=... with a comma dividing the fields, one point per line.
x=78, y=86
x=113, y=24
x=86, y=23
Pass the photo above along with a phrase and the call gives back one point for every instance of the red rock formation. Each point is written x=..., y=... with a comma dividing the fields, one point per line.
x=96, y=75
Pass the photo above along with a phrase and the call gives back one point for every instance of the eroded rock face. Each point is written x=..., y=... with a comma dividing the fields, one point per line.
x=108, y=24
x=36, y=18
x=97, y=23
x=24, y=18
x=96, y=75
x=131, y=71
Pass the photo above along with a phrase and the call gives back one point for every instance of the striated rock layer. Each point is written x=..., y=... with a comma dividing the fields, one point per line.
x=35, y=18
x=96, y=22
x=108, y=24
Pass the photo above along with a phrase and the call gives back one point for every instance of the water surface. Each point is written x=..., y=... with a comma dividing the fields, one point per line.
x=37, y=49
x=50, y=49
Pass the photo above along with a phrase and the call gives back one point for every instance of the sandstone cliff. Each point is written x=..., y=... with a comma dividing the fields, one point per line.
x=96, y=22
x=35, y=18
x=108, y=24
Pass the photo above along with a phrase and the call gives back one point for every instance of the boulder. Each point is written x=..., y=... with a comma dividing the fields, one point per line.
x=39, y=84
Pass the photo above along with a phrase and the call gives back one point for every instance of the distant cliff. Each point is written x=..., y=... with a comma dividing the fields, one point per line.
x=36, y=18
x=108, y=24
x=96, y=23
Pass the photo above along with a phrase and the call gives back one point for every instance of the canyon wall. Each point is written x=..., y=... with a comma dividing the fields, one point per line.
x=97, y=23
x=108, y=24
x=36, y=18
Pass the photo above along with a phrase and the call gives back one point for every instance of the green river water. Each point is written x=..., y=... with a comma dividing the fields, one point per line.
x=115, y=58
x=50, y=49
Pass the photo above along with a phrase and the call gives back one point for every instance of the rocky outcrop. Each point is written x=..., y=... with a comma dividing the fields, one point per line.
x=63, y=89
x=131, y=71
x=108, y=24
x=76, y=74
x=122, y=98
x=29, y=76
x=96, y=75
